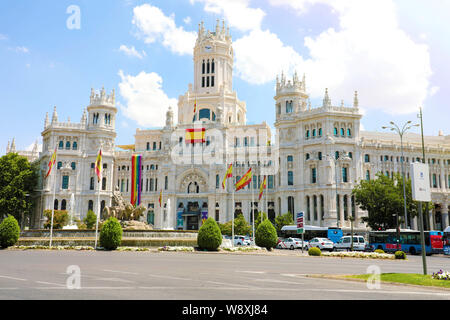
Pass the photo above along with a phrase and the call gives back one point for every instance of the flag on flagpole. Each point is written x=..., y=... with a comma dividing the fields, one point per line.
x=228, y=174
x=195, y=135
x=245, y=180
x=195, y=105
x=261, y=189
x=98, y=165
x=51, y=163
x=160, y=198
x=136, y=177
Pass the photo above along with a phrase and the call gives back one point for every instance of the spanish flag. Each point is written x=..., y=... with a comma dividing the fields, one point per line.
x=195, y=105
x=160, y=198
x=263, y=186
x=195, y=135
x=245, y=180
x=51, y=163
x=228, y=174
x=98, y=165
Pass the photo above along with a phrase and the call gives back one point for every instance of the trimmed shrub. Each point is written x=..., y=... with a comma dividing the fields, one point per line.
x=314, y=251
x=209, y=236
x=379, y=251
x=90, y=220
x=400, y=255
x=111, y=234
x=266, y=235
x=9, y=232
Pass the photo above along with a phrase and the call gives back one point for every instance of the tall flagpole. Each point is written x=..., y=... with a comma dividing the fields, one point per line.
x=267, y=200
x=54, y=196
x=98, y=213
x=253, y=213
x=232, y=214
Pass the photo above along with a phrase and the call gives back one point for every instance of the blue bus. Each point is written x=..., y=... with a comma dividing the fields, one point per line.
x=332, y=233
x=446, y=241
x=409, y=241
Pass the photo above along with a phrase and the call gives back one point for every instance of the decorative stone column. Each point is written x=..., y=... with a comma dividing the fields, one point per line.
x=444, y=214
x=341, y=210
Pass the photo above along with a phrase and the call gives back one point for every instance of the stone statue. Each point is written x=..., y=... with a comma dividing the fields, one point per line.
x=122, y=210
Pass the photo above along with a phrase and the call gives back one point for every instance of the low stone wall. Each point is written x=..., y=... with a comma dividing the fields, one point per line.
x=128, y=242
x=45, y=233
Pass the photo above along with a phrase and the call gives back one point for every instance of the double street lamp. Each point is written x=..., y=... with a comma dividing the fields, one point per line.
x=401, y=132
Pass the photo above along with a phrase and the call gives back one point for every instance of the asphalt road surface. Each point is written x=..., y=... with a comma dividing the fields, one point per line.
x=37, y=274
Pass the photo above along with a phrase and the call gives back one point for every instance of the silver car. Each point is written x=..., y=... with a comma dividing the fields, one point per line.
x=345, y=243
x=321, y=243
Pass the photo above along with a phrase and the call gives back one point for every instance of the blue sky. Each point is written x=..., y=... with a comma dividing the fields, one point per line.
x=395, y=53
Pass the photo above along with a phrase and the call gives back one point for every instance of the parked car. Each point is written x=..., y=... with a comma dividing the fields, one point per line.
x=242, y=241
x=321, y=243
x=291, y=243
x=359, y=243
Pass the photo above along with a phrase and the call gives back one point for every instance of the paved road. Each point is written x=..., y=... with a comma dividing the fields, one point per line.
x=168, y=275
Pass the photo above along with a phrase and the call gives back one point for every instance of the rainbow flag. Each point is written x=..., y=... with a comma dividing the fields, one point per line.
x=195, y=135
x=98, y=165
x=245, y=180
x=228, y=174
x=263, y=186
x=136, y=175
x=51, y=163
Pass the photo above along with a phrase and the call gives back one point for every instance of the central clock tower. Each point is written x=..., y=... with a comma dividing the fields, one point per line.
x=213, y=59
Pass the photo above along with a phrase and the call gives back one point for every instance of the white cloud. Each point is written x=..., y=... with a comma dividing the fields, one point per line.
x=20, y=49
x=261, y=55
x=369, y=53
x=146, y=102
x=152, y=25
x=236, y=12
x=187, y=20
x=39, y=145
x=3, y=36
x=132, y=52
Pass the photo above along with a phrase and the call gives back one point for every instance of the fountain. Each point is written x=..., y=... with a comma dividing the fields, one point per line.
x=71, y=225
x=168, y=217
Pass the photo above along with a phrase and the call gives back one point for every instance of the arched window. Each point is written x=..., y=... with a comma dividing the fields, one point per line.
x=307, y=134
x=63, y=204
x=322, y=211
x=91, y=205
x=314, y=132
x=74, y=145
x=217, y=181
x=320, y=132
x=59, y=165
x=342, y=132
x=102, y=205
x=212, y=67
x=308, y=209
x=203, y=68
x=345, y=207
x=336, y=155
x=61, y=145
x=367, y=175
x=335, y=131
x=55, y=204
x=68, y=145
x=307, y=156
x=104, y=184
x=204, y=113
x=315, y=207
x=73, y=165
x=350, y=155
x=91, y=185
x=207, y=67
x=349, y=132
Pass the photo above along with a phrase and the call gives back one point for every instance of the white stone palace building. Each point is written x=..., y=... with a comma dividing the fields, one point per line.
x=318, y=152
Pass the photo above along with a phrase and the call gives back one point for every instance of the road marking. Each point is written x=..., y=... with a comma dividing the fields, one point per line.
x=124, y=272
x=55, y=284
x=168, y=277
x=258, y=272
x=228, y=284
x=278, y=281
x=12, y=278
x=112, y=279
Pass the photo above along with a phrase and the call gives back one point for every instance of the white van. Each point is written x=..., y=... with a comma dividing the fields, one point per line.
x=345, y=243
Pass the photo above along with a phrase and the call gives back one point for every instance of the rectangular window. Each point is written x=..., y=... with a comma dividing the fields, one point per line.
x=166, y=182
x=270, y=181
x=344, y=174
x=313, y=175
x=65, y=182
x=212, y=81
x=290, y=178
x=203, y=82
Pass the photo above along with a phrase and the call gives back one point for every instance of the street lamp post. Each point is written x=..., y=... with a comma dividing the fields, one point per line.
x=401, y=132
x=335, y=175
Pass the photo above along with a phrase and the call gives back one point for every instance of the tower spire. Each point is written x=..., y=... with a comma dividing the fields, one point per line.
x=55, y=115
x=326, y=99
x=355, y=100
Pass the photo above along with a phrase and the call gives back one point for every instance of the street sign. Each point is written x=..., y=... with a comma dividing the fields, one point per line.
x=300, y=226
x=420, y=182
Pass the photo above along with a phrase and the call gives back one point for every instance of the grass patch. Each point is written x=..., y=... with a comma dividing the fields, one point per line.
x=407, y=278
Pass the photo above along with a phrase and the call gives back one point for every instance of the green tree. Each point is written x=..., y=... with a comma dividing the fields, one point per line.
x=9, y=232
x=381, y=199
x=60, y=219
x=258, y=219
x=90, y=220
x=209, y=236
x=241, y=226
x=283, y=220
x=18, y=179
x=266, y=235
x=111, y=234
